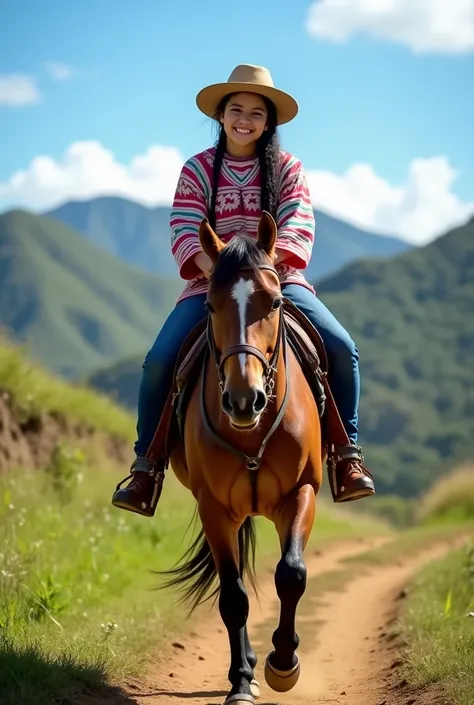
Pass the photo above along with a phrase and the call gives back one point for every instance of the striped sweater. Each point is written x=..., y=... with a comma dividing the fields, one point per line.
x=238, y=210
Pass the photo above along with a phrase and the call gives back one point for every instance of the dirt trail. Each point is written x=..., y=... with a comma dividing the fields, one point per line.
x=347, y=653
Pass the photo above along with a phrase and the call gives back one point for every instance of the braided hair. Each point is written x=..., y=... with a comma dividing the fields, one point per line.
x=268, y=152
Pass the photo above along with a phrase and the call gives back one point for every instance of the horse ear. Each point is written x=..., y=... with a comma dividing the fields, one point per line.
x=267, y=234
x=211, y=243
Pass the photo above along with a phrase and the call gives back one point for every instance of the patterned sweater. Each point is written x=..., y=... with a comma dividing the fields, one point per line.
x=238, y=210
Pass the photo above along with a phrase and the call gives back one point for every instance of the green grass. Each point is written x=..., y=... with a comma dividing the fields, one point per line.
x=438, y=624
x=450, y=499
x=75, y=584
x=36, y=391
x=76, y=589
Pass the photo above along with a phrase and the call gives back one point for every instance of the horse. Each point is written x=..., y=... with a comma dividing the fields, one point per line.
x=251, y=446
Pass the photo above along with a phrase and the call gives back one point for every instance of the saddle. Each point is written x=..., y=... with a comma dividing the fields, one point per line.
x=309, y=349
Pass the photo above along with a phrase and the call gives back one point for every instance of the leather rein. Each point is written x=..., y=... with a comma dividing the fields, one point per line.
x=251, y=462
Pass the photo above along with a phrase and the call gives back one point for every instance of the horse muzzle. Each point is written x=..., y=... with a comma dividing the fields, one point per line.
x=244, y=406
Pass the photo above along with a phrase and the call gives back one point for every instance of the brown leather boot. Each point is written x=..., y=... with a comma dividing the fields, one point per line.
x=353, y=479
x=142, y=494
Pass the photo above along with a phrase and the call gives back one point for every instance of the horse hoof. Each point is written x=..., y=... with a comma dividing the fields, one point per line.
x=255, y=688
x=239, y=700
x=281, y=681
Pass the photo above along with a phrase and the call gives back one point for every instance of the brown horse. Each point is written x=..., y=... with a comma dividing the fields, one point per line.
x=251, y=446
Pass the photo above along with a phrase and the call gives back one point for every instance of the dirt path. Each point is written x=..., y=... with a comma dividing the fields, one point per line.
x=347, y=652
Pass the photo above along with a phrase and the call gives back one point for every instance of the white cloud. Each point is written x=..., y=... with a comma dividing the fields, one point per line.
x=18, y=90
x=87, y=169
x=58, y=71
x=419, y=209
x=425, y=26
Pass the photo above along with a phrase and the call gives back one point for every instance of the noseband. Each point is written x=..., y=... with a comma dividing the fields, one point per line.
x=252, y=463
x=269, y=366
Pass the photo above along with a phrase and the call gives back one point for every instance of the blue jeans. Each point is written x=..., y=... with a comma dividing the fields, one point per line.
x=158, y=367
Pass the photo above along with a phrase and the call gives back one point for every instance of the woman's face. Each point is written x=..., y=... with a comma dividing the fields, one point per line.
x=244, y=119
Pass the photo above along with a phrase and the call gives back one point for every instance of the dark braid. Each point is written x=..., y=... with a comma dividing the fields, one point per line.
x=220, y=149
x=268, y=152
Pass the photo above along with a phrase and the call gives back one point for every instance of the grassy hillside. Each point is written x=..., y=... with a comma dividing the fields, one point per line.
x=74, y=305
x=412, y=319
x=450, y=499
x=140, y=235
x=36, y=391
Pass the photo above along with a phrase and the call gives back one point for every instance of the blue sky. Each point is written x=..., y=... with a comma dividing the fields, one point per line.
x=136, y=67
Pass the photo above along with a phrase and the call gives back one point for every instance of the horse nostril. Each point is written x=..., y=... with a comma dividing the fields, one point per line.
x=260, y=401
x=226, y=405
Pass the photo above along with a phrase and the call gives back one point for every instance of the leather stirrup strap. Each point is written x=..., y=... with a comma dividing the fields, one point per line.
x=336, y=438
x=158, y=450
x=337, y=434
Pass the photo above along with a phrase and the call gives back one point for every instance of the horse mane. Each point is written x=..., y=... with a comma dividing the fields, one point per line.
x=242, y=252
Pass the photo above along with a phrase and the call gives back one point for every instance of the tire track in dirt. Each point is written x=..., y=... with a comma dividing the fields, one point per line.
x=348, y=655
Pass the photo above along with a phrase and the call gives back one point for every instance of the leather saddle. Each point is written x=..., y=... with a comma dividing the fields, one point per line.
x=310, y=352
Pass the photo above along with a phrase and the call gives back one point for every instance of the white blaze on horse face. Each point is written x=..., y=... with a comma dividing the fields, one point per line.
x=241, y=293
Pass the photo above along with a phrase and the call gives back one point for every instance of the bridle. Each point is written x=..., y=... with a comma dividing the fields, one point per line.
x=252, y=463
x=269, y=366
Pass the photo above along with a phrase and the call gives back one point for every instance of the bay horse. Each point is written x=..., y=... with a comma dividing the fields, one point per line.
x=251, y=445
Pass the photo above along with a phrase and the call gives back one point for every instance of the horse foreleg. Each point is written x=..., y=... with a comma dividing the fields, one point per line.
x=222, y=535
x=293, y=522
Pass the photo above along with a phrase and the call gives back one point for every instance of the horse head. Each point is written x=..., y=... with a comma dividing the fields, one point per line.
x=244, y=327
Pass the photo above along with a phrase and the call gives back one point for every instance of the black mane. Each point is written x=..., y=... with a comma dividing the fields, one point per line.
x=241, y=252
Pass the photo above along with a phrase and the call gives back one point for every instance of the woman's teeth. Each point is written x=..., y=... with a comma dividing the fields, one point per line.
x=241, y=131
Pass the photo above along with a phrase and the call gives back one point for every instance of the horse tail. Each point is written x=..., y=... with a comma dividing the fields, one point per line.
x=195, y=574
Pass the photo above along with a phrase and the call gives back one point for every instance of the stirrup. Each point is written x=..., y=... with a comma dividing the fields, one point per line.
x=352, y=451
x=157, y=473
x=349, y=452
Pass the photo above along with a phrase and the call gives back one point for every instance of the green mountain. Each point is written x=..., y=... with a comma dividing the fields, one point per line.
x=73, y=305
x=413, y=321
x=140, y=235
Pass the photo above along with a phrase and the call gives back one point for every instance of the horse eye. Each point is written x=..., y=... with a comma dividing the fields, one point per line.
x=208, y=306
x=276, y=304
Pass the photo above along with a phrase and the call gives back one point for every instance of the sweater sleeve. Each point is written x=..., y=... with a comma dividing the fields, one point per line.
x=188, y=210
x=295, y=216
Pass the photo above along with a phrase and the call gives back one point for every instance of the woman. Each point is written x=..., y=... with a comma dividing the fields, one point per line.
x=231, y=184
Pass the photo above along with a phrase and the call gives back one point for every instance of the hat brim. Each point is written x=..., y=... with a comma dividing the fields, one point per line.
x=209, y=98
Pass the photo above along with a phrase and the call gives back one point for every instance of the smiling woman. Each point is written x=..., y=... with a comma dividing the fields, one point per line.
x=244, y=116
x=231, y=185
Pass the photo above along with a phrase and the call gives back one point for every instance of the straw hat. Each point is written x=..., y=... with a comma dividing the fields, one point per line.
x=250, y=79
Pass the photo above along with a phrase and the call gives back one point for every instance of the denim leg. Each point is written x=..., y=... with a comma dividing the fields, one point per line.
x=158, y=367
x=343, y=356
